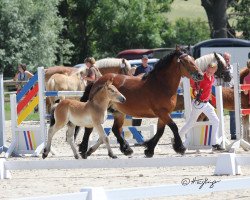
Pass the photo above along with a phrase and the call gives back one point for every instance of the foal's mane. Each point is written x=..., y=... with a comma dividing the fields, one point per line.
x=163, y=62
x=205, y=60
x=111, y=62
x=96, y=90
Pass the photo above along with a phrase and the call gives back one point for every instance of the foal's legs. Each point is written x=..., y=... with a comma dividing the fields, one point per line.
x=52, y=130
x=103, y=138
x=70, y=139
x=117, y=130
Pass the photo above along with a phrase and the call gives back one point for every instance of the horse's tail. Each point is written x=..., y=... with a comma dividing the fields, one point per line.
x=51, y=84
x=86, y=93
x=52, y=115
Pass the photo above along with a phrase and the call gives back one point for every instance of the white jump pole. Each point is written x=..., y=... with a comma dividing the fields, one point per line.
x=3, y=148
x=220, y=114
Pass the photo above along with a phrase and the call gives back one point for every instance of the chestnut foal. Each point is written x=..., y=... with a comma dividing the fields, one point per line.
x=90, y=114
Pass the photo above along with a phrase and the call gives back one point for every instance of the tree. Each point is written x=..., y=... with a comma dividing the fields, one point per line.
x=242, y=15
x=103, y=28
x=29, y=33
x=217, y=18
x=185, y=32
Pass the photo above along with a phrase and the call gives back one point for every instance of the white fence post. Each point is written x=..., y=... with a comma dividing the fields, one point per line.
x=2, y=117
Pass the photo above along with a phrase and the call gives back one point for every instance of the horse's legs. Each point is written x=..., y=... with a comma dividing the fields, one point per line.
x=77, y=130
x=177, y=145
x=103, y=138
x=70, y=139
x=151, y=143
x=117, y=130
x=83, y=147
x=52, y=130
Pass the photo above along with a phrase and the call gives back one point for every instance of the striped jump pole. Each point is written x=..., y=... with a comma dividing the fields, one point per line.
x=238, y=88
x=3, y=148
x=26, y=138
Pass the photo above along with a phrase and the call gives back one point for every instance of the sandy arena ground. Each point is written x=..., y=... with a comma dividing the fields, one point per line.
x=49, y=182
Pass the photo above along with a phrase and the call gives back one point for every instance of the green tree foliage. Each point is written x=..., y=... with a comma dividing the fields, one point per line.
x=185, y=32
x=134, y=24
x=103, y=28
x=241, y=9
x=29, y=34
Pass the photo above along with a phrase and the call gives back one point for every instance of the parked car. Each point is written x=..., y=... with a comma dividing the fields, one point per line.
x=133, y=54
x=138, y=62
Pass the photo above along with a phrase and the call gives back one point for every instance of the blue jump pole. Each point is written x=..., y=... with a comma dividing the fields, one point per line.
x=2, y=117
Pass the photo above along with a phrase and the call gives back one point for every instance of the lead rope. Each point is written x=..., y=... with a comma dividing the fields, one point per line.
x=197, y=101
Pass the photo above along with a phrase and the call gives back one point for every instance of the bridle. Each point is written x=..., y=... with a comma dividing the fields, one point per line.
x=194, y=74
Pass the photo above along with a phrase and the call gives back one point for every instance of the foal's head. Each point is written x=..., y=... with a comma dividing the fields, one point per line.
x=108, y=91
x=113, y=93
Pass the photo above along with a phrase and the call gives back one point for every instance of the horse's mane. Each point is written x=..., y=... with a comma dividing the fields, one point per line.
x=163, y=62
x=112, y=62
x=205, y=60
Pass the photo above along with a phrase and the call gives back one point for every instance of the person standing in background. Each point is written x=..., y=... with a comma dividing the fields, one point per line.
x=22, y=75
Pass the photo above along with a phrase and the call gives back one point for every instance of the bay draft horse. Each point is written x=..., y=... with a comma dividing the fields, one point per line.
x=153, y=95
x=91, y=114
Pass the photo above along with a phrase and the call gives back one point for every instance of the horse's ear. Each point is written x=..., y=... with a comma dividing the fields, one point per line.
x=177, y=47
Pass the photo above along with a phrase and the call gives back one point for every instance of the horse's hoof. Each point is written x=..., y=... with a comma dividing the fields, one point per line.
x=180, y=150
x=77, y=156
x=84, y=155
x=114, y=157
x=126, y=150
x=44, y=156
x=148, y=154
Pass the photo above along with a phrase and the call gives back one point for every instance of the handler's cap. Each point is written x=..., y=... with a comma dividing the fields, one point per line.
x=144, y=57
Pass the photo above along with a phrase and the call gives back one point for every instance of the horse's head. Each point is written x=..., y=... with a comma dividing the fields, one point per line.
x=223, y=71
x=188, y=66
x=113, y=93
x=126, y=68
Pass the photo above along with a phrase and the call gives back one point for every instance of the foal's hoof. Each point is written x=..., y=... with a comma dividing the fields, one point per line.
x=126, y=150
x=148, y=153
